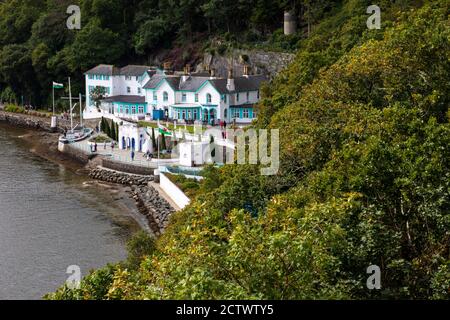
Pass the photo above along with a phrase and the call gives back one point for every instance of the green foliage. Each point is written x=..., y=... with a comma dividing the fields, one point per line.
x=139, y=247
x=189, y=186
x=14, y=108
x=364, y=178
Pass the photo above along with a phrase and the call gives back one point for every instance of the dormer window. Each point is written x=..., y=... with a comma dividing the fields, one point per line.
x=196, y=97
x=165, y=96
x=155, y=96
x=128, y=90
x=183, y=97
x=208, y=98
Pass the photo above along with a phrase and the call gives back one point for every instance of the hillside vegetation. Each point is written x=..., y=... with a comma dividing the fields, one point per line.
x=364, y=179
x=36, y=47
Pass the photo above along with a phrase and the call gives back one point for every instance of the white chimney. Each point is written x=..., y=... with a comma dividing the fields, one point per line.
x=186, y=73
x=230, y=81
x=246, y=70
x=212, y=73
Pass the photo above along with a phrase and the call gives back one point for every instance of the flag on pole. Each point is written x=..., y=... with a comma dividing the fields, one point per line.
x=57, y=85
x=163, y=130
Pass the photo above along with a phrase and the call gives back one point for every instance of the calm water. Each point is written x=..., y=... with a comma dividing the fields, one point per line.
x=50, y=220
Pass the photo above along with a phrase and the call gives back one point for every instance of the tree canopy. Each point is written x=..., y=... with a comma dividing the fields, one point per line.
x=364, y=180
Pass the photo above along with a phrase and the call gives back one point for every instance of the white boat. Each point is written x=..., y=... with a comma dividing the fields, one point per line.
x=76, y=135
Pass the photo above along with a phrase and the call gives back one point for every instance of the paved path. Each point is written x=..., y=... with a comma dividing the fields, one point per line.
x=117, y=154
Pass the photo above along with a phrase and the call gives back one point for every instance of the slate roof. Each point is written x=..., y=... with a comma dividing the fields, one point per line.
x=125, y=99
x=104, y=69
x=193, y=83
x=154, y=81
x=241, y=84
x=134, y=70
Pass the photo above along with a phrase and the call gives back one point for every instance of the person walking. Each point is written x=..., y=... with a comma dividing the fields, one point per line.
x=95, y=147
x=104, y=145
x=112, y=145
x=132, y=155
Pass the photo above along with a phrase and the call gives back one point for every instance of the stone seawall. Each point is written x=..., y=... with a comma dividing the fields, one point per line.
x=28, y=121
x=74, y=153
x=123, y=167
x=119, y=177
x=150, y=204
x=156, y=209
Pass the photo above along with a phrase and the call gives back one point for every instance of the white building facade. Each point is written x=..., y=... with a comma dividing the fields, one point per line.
x=141, y=92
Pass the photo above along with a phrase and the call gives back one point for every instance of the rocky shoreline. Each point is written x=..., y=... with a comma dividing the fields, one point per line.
x=150, y=204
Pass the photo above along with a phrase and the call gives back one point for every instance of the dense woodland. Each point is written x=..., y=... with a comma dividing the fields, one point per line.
x=37, y=48
x=364, y=179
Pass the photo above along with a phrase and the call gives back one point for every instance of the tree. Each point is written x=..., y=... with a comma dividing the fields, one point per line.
x=97, y=95
x=94, y=45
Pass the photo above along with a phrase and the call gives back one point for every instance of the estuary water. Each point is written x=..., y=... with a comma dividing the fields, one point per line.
x=52, y=218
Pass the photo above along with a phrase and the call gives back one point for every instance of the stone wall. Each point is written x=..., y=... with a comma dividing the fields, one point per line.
x=124, y=167
x=261, y=62
x=156, y=209
x=29, y=121
x=120, y=177
x=74, y=153
x=150, y=204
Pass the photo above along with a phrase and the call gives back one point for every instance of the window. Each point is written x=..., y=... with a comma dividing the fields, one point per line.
x=248, y=95
x=195, y=114
x=141, y=109
x=91, y=77
x=139, y=90
x=128, y=90
x=184, y=114
x=196, y=97
x=189, y=114
x=127, y=110
x=165, y=96
x=127, y=78
x=107, y=78
x=237, y=97
x=236, y=113
x=183, y=97
x=225, y=113
x=208, y=98
x=155, y=96
x=245, y=113
x=108, y=90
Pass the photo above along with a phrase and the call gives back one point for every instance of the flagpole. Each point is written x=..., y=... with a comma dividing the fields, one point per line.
x=53, y=95
x=81, y=111
x=70, y=103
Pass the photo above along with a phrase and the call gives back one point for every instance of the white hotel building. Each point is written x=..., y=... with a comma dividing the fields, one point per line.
x=142, y=92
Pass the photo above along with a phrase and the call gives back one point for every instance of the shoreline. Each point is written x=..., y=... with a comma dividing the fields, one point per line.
x=44, y=144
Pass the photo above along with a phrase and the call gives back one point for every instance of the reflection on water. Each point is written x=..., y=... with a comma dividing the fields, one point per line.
x=50, y=219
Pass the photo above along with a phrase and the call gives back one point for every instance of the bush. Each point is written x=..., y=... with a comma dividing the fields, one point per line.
x=14, y=108
x=140, y=246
